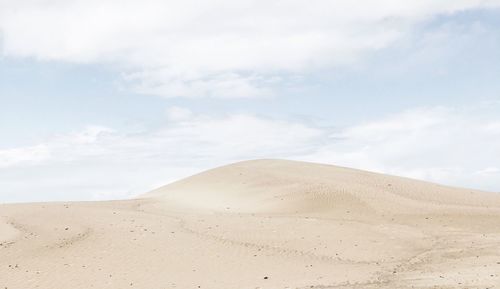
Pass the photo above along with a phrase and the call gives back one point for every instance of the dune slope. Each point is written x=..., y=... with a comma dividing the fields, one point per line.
x=260, y=224
x=278, y=186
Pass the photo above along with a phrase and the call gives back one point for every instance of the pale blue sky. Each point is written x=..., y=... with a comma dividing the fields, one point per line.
x=112, y=110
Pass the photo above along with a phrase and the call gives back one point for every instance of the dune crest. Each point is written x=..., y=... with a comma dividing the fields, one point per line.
x=280, y=186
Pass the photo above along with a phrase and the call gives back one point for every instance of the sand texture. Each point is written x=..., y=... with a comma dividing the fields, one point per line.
x=260, y=224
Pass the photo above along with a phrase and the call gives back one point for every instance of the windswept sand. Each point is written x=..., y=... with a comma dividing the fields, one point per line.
x=260, y=224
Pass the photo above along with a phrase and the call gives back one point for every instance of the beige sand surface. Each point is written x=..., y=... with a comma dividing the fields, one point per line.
x=260, y=224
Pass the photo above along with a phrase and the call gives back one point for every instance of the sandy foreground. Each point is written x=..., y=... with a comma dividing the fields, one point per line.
x=260, y=224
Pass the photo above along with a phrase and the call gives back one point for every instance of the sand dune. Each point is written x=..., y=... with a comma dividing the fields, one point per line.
x=260, y=224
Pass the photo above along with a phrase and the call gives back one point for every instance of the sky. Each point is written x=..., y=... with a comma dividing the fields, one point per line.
x=106, y=99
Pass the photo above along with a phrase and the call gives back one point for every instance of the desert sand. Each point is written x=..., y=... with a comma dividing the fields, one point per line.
x=260, y=224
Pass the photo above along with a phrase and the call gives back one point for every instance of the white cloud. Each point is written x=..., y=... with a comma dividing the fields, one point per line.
x=99, y=162
x=228, y=85
x=454, y=146
x=61, y=147
x=176, y=113
x=205, y=48
x=32, y=155
x=445, y=145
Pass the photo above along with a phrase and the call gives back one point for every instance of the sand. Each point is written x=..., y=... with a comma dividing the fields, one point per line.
x=260, y=224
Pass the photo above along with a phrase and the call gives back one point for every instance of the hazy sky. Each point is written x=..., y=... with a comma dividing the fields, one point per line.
x=107, y=99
